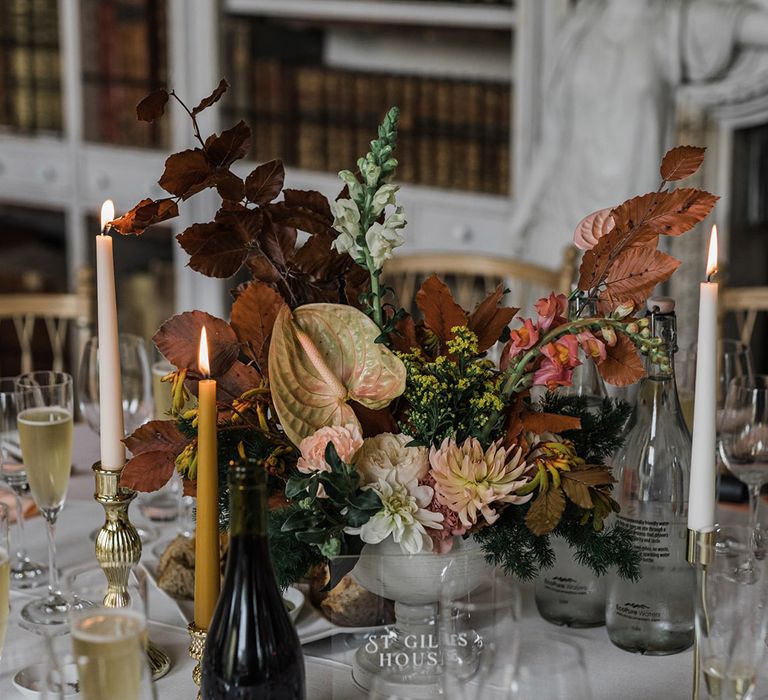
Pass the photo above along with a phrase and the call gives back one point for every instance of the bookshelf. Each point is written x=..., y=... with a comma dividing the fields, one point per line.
x=73, y=169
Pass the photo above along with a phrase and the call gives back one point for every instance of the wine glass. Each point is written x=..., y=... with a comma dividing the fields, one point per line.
x=108, y=644
x=732, y=612
x=136, y=385
x=45, y=404
x=5, y=575
x=550, y=667
x=25, y=573
x=744, y=435
x=735, y=361
x=478, y=635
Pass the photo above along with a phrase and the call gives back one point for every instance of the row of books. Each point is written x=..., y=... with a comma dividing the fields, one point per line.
x=30, y=84
x=125, y=56
x=454, y=134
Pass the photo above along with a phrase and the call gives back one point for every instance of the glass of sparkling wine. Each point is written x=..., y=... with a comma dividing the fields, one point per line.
x=732, y=613
x=45, y=406
x=5, y=575
x=109, y=644
x=25, y=573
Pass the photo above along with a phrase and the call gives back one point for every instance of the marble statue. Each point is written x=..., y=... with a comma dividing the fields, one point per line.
x=609, y=102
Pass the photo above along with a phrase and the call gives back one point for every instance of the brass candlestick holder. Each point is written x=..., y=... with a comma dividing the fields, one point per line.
x=197, y=637
x=699, y=553
x=118, y=550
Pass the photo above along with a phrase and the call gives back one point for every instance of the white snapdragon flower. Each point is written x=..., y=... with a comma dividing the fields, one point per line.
x=382, y=239
x=384, y=196
x=346, y=220
x=352, y=183
x=403, y=516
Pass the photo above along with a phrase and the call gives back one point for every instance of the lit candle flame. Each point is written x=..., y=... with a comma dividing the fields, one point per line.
x=107, y=213
x=202, y=358
x=712, y=257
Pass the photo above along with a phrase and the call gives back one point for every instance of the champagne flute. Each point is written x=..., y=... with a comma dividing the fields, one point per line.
x=136, y=385
x=45, y=405
x=108, y=645
x=744, y=436
x=25, y=573
x=5, y=575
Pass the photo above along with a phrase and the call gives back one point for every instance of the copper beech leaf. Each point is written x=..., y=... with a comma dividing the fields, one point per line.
x=265, y=182
x=592, y=228
x=219, y=248
x=184, y=172
x=214, y=97
x=148, y=471
x=441, y=312
x=230, y=146
x=322, y=356
x=545, y=511
x=178, y=339
x=681, y=162
x=162, y=435
x=152, y=106
x=622, y=366
x=305, y=210
x=540, y=422
x=238, y=379
x=577, y=492
x=489, y=320
x=253, y=317
x=144, y=214
x=635, y=273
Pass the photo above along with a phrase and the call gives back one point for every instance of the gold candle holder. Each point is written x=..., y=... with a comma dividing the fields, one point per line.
x=197, y=637
x=699, y=553
x=118, y=550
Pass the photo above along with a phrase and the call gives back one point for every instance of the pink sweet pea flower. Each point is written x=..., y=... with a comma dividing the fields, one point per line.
x=592, y=346
x=552, y=311
x=520, y=339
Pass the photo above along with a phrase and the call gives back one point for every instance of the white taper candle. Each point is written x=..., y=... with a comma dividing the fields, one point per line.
x=110, y=385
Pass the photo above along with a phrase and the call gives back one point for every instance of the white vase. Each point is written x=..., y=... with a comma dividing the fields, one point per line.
x=413, y=582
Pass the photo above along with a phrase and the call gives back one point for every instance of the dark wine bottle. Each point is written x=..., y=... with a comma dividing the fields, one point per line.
x=252, y=649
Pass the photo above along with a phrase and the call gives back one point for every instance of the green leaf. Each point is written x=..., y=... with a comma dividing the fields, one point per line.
x=298, y=520
x=296, y=486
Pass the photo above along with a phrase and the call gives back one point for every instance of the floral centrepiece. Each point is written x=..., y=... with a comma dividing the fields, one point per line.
x=374, y=425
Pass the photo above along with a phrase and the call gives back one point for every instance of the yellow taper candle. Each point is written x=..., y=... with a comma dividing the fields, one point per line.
x=207, y=571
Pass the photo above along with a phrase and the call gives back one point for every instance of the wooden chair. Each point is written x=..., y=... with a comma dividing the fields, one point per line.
x=471, y=277
x=745, y=303
x=59, y=313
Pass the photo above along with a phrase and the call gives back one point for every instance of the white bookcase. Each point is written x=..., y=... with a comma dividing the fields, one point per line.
x=73, y=175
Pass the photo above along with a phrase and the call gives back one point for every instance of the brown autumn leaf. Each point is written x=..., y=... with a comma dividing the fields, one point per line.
x=152, y=106
x=277, y=242
x=576, y=492
x=681, y=162
x=591, y=475
x=149, y=471
x=156, y=435
x=305, y=210
x=662, y=213
x=231, y=145
x=489, y=320
x=318, y=259
x=144, y=214
x=178, y=339
x=546, y=510
x=541, y=422
x=265, y=182
x=592, y=228
x=229, y=186
x=441, y=312
x=184, y=171
x=635, y=273
x=404, y=337
x=262, y=269
x=215, y=249
x=622, y=366
x=238, y=379
x=214, y=97
x=189, y=487
x=372, y=422
x=253, y=316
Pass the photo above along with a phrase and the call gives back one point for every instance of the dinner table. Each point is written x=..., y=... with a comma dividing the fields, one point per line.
x=613, y=674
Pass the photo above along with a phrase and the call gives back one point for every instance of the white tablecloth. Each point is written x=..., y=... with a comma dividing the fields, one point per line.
x=614, y=674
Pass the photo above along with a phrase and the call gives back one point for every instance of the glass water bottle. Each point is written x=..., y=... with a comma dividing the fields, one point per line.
x=570, y=593
x=655, y=614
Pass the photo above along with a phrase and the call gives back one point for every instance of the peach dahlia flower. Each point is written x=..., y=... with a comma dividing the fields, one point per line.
x=470, y=481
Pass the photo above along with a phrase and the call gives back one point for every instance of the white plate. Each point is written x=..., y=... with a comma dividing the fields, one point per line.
x=311, y=624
